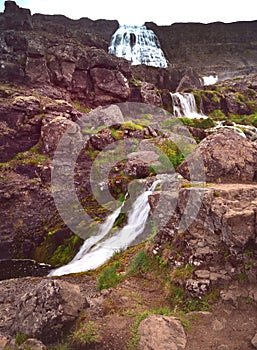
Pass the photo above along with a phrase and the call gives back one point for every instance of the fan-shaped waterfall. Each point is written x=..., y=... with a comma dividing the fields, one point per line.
x=138, y=45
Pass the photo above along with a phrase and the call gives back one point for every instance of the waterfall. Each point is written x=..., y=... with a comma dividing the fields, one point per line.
x=138, y=45
x=95, y=251
x=184, y=105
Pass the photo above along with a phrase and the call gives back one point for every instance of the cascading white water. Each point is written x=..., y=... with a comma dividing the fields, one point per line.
x=138, y=45
x=96, y=251
x=184, y=105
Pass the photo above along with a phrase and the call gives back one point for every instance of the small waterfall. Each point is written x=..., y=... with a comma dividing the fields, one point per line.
x=184, y=105
x=138, y=45
x=93, y=255
x=210, y=79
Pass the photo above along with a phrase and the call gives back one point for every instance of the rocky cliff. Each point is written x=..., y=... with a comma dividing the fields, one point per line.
x=228, y=50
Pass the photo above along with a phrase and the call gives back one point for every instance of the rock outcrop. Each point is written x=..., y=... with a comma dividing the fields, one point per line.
x=227, y=157
x=219, y=240
x=46, y=311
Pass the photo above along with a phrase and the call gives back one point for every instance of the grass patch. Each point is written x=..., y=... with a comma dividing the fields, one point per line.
x=87, y=333
x=182, y=272
x=109, y=277
x=30, y=157
x=20, y=338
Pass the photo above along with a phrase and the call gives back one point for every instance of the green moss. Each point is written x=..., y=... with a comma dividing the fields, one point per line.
x=204, y=123
x=56, y=251
x=129, y=125
x=121, y=220
x=136, y=82
x=81, y=108
x=66, y=252
x=117, y=134
x=218, y=114
x=32, y=156
x=20, y=338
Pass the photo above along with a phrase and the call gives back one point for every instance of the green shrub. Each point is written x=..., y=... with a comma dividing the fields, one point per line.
x=109, y=278
x=140, y=263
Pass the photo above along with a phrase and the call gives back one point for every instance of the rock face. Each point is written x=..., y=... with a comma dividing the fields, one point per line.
x=45, y=312
x=161, y=333
x=15, y=17
x=223, y=228
x=227, y=157
x=78, y=62
x=215, y=47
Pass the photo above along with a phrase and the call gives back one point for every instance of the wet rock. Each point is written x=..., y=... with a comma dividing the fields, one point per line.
x=161, y=333
x=22, y=268
x=48, y=309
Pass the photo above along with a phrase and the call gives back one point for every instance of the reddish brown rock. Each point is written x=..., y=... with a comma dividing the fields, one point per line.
x=227, y=156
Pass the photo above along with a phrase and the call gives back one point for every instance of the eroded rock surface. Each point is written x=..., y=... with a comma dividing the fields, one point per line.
x=227, y=157
x=44, y=312
x=161, y=333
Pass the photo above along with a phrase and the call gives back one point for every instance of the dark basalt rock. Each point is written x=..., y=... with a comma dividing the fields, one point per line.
x=15, y=17
x=22, y=268
x=228, y=49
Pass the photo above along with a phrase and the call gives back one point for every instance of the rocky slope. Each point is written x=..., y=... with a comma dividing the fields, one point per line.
x=200, y=267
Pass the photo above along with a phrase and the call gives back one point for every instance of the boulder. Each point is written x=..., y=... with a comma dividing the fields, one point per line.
x=227, y=157
x=139, y=163
x=52, y=131
x=47, y=310
x=161, y=333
